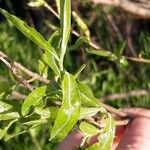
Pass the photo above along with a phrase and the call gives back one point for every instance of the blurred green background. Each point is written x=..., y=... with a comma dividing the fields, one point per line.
x=111, y=28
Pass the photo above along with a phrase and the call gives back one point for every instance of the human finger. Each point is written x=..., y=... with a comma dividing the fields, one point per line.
x=72, y=141
x=136, y=135
x=133, y=112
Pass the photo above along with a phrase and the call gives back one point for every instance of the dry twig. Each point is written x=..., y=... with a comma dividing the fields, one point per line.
x=25, y=70
x=91, y=43
x=139, y=8
x=15, y=72
x=114, y=111
x=126, y=95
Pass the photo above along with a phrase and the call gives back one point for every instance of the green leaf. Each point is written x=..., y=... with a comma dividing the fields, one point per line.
x=51, y=25
x=58, y=5
x=65, y=20
x=44, y=113
x=69, y=112
x=53, y=113
x=81, y=24
x=36, y=96
x=106, y=137
x=5, y=127
x=37, y=3
x=43, y=69
x=33, y=99
x=48, y=113
x=51, y=62
x=78, y=43
x=123, y=61
x=86, y=112
x=4, y=106
x=9, y=116
x=87, y=97
x=104, y=53
x=79, y=71
x=54, y=41
x=31, y=33
x=88, y=129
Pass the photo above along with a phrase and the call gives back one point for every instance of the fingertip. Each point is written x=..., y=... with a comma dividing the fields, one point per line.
x=72, y=141
x=133, y=112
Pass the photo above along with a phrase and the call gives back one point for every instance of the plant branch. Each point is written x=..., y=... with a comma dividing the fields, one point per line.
x=17, y=96
x=126, y=95
x=114, y=110
x=16, y=74
x=91, y=43
x=140, y=8
x=72, y=31
x=25, y=70
x=140, y=60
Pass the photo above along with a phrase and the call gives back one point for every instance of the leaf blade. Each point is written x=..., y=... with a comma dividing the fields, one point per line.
x=31, y=33
x=87, y=97
x=69, y=112
x=65, y=20
x=106, y=138
x=37, y=95
x=4, y=106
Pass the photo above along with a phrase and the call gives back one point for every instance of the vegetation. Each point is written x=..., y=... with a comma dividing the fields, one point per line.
x=45, y=102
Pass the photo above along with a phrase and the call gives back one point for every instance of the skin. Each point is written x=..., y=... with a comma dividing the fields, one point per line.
x=134, y=136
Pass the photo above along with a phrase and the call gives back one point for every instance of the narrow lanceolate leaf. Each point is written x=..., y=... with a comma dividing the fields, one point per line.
x=103, y=53
x=79, y=71
x=43, y=69
x=87, y=97
x=81, y=24
x=88, y=129
x=4, y=106
x=65, y=19
x=79, y=42
x=9, y=116
x=33, y=99
x=31, y=33
x=36, y=96
x=106, y=137
x=58, y=5
x=37, y=3
x=51, y=62
x=54, y=41
x=88, y=112
x=51, y=25
x=69, y=112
